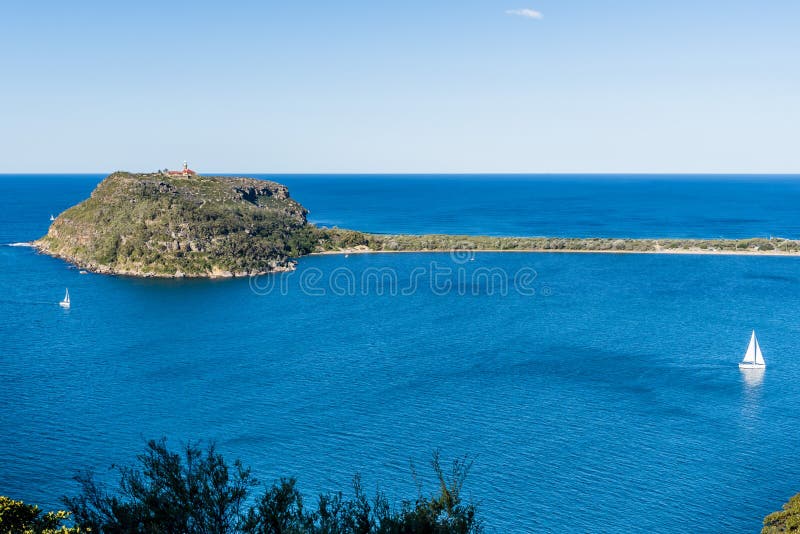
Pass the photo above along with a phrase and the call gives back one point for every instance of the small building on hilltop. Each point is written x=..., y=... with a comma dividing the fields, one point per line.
x=185, y=172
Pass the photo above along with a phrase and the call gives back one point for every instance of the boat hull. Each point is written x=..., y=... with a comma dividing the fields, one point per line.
x=751, y=366
x=64, y=304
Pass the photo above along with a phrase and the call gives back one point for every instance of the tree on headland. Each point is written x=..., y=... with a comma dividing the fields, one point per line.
x=194, y=491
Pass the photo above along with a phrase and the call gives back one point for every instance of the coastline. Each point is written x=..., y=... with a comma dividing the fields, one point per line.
x=363, y=250
x=214, y=274
x=377, y=243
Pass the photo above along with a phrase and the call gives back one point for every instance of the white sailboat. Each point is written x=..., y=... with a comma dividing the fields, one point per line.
x=753, y=359
x=65, y=303
x=52, y=218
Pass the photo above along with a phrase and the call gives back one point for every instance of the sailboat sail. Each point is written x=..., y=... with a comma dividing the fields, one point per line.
x=759, y=356
x=750, y=355
x=753, y=359
x=65, y=303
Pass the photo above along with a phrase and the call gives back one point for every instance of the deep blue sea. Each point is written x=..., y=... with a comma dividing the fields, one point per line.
x=595, y=392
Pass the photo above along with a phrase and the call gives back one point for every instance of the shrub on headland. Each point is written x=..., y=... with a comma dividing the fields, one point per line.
x=195, y=491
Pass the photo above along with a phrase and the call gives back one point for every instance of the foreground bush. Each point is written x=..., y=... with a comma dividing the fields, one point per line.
x=195, y=491
x=17, y=517
x=787, y=520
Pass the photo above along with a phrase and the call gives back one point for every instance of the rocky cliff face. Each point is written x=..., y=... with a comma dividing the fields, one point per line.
x=168, y=226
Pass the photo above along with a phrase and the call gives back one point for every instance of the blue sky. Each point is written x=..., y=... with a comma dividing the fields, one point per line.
x=400, y=86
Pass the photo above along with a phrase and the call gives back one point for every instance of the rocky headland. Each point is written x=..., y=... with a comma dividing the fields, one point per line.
x=164, y=225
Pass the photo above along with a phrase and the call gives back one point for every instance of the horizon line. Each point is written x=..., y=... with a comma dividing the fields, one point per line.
x=423, y=173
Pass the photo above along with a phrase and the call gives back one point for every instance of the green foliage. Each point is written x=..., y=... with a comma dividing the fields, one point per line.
x=192, y=492
x=196, y=492
x=443, y=512
x=786, y=520
x=16, y=517
x=336, y=238
x=280, y=511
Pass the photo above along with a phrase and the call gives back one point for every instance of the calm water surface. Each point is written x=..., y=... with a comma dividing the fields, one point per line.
x=601, y=394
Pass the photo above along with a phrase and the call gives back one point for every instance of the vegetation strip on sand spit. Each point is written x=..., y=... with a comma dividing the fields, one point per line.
x=352, y=242
x=164, y=224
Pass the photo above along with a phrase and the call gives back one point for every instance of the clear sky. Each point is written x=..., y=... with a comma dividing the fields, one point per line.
x=401, y=86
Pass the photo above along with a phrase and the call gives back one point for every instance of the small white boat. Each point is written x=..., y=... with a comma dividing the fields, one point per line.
x=65, y=303
x=52, y=218
x=753, y=359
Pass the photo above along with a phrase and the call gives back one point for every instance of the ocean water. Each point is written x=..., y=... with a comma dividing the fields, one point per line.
x=595, y=392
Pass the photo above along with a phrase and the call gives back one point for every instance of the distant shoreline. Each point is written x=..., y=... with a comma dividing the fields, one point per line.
x=679, y=252
x=340, y=241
